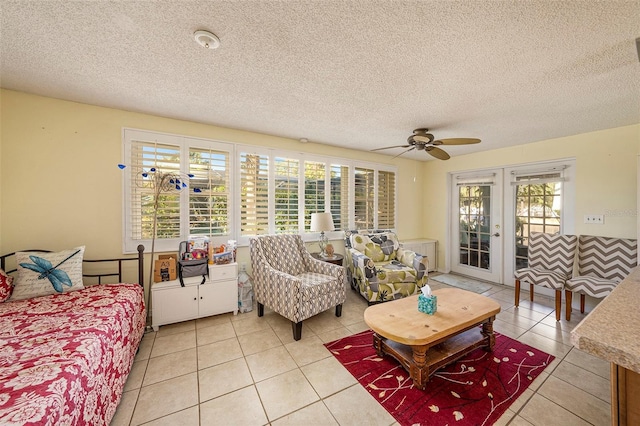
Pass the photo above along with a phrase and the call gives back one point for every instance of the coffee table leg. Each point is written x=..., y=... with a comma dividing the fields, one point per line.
x=377, y=344
x=487, y=332
x=419, y=370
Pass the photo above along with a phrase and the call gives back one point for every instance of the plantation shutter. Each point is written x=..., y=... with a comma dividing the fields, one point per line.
x=340, y=196
x=314, y=190
x=386, y=200
x=286, y=174
x=145, y=157
x=364, y=198
x=254, y=194
x=209, y=192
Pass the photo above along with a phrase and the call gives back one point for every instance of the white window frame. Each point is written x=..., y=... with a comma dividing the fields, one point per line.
x=272, y=153
x=129, y=136
x=568, y=199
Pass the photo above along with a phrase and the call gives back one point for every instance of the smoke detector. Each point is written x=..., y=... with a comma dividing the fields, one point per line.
x=206, y=39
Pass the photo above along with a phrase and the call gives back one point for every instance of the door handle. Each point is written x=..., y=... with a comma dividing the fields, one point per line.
x=497, y=234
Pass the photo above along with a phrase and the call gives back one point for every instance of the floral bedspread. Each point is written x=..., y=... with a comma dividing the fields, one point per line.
x=65, y=358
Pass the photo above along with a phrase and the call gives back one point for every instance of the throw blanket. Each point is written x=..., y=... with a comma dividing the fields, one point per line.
x=65, y=358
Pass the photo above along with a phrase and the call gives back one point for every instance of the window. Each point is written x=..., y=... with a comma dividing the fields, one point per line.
x=386, y=200
x=364, y=190
x=538, y=208
x=254, y=194
x=287, y=214
x=147, y=157
x=339, y=196
x=314, y=192
x=193, y=200
x=209, y=197
x=277, y=191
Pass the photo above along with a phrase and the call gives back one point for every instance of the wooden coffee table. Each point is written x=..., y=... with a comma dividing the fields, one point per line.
x=424, y=343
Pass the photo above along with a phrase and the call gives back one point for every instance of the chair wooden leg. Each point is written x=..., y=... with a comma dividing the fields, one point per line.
x=531, y=292
x=260, y=309
x=517, y=293
x=339, y=310
x=582, y=303
x=297, y=330
x=569, y=296
x=558, y=304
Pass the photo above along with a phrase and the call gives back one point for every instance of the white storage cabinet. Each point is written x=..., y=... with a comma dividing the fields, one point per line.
x=173, y=303
x=425, y=247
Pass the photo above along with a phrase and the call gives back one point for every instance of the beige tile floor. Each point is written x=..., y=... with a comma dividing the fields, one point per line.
x=246, y=370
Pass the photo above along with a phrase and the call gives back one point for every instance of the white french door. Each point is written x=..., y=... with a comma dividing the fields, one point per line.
x=476, y=225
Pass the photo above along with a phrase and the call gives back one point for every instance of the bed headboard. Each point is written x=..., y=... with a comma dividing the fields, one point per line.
x=110, y=273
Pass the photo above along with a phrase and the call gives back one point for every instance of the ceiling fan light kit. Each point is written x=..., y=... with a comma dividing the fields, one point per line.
x=422, y=140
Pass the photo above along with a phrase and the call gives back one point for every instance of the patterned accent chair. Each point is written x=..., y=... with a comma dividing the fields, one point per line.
x=550, y=264
x=380, y=270
x=291, y=282
x=602, y=263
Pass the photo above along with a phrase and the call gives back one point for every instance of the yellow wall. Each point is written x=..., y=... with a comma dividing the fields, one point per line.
x=606, y=163
x=61, y=187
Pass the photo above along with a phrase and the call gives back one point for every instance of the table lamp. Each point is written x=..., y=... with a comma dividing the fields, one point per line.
x=321, y=222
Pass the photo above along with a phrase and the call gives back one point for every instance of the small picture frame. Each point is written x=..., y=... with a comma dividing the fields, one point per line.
x=223, y=258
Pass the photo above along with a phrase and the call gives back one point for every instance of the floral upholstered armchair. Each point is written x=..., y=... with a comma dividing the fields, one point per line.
x=290, y=281
x=379, y=269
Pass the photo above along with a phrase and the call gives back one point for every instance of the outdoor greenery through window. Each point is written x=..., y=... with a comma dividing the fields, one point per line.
x=145, y=157
x=475, y=225
x=538, y=209
x=276, y=191
x=209, y=198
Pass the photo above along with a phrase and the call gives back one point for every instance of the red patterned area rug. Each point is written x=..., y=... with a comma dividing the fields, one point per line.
x=476, y=390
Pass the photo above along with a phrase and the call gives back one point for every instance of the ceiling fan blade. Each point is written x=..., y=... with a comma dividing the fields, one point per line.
x=437, y=152
x=389, y=147
x=410, y=149
x=456, y=141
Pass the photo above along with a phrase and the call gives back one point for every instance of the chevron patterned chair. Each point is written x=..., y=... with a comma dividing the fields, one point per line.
x=602, y=263
x=551, y=260
x=291, y=282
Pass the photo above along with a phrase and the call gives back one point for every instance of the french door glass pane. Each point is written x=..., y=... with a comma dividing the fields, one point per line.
x=538, y=209
x=475, y=225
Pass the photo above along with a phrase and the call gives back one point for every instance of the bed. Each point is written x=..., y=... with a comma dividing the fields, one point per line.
x=65, y=358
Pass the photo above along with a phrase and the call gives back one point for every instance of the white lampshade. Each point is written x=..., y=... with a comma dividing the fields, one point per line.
x=321, y=222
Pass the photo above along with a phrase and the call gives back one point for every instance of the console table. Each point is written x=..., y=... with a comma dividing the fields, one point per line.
x=171, y=303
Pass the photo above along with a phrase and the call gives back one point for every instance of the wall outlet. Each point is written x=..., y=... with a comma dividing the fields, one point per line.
x=597, y=219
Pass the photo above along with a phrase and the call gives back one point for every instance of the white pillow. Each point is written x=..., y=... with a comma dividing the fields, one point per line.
x=41, y=274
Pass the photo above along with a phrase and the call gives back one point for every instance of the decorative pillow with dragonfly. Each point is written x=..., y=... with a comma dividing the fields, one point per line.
x=41, y=274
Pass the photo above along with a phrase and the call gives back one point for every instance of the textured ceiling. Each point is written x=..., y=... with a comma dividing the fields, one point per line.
x=359, y=74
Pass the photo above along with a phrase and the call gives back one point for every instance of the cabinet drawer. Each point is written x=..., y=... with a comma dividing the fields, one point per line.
x=223, y=272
